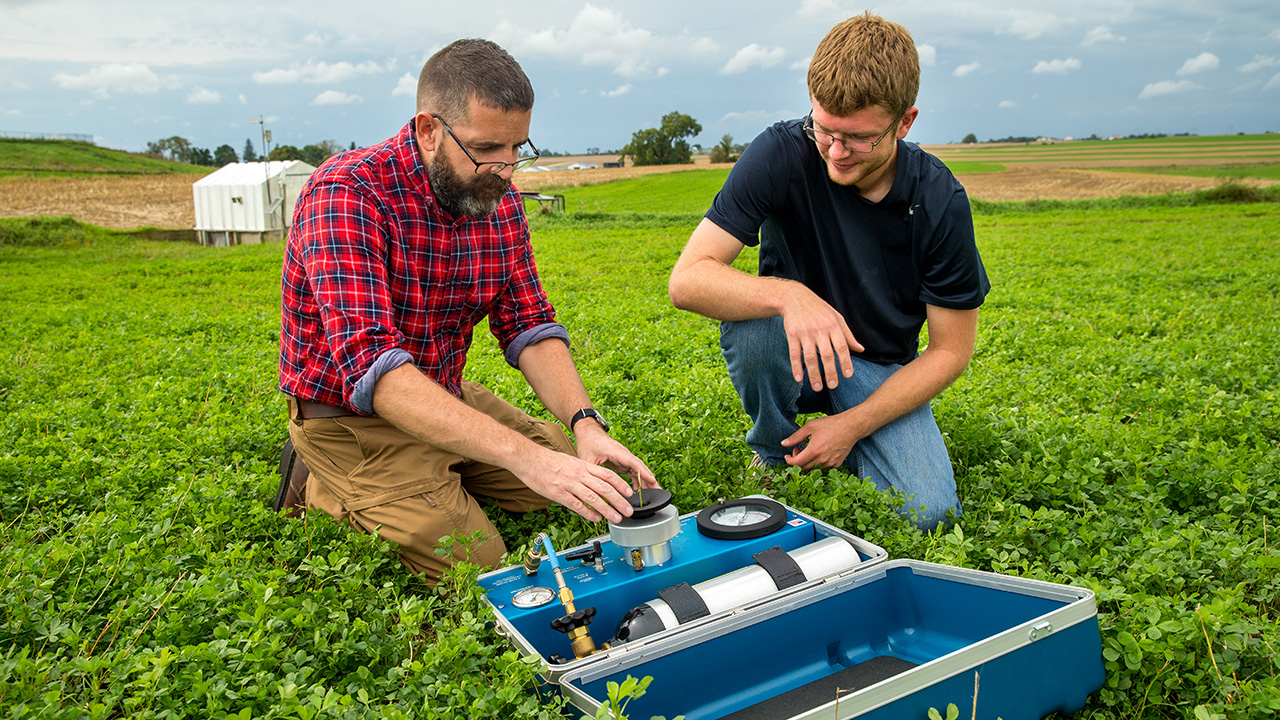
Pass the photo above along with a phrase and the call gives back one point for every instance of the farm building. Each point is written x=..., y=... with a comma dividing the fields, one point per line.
x=248, y=203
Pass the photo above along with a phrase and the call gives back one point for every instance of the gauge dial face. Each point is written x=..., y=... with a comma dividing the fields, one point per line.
x=741, y=519
x=741, y=515
x=533, y=597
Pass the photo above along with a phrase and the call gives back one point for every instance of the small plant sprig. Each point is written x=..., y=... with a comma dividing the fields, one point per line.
x=622, y=695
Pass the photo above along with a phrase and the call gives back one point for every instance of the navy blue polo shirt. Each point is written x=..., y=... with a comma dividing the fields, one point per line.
x=878, y=264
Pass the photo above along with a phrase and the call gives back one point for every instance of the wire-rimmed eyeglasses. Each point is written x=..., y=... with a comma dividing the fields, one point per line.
x=859, y=146
x=492, y=167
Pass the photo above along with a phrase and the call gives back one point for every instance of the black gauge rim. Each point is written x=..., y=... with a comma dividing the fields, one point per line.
x=710, y=528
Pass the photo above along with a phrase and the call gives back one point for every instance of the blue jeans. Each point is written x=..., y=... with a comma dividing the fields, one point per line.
x=907, y=455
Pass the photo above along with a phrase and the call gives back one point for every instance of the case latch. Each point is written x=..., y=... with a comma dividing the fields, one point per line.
x=1039, y=630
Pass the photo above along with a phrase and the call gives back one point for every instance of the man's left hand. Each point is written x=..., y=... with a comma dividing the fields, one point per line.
x=598, y=448
x=831, y=439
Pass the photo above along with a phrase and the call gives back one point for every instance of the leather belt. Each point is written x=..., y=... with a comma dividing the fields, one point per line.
x=308, y=410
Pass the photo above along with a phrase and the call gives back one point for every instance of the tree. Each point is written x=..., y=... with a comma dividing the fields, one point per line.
x=319, y=152
x=723, y=152
x=200, y=156
x=664, y=145
x=250, y=155
x=173, y=148
x=285, y=152
x=970, y=139
x=224, y=155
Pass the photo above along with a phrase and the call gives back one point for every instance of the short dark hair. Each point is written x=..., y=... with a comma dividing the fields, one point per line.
x=472, y=68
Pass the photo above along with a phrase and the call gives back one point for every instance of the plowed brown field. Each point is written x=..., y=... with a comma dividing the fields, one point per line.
x=166, y=201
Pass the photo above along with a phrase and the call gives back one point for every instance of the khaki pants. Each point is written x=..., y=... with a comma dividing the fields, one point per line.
x=369, y=473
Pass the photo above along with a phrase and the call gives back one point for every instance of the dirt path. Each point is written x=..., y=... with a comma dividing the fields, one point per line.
x=166, y=201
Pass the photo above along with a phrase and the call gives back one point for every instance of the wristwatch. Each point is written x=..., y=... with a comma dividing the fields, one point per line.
x=588, y=413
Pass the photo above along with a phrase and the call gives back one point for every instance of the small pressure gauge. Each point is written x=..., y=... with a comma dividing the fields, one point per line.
x=741, y=519
x=532, y=597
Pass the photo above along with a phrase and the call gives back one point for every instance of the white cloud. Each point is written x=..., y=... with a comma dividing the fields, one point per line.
x=1260, y=62
x=1004, y=104
x=318, y=73
x=759, y=118
x=243, y=100
x=10, y=112
x=801, y=64
x=966, y=70
x=928, y=55
x=704, y=46
x=597, y=36
x=751, y=56
x=1102, y=33
x=813, y=9
x=1167, y=87
x=1275, y=34
x=1057, y=67
x=406, y=85
x=116, y=77
x=335, y=97
x=202, y=95
x=1030, y=25
x=1200, y=63
x=1273, y=83
x=620, y=90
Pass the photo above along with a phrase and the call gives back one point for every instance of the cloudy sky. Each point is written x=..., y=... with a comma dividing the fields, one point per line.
x=131, y=71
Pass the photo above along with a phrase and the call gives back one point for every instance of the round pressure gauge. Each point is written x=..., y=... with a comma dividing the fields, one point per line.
x=532, y=597
x=741, y=519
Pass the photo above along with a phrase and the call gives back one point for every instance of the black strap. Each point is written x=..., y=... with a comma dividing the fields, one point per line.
x=781, y=567
x=685, y=602
x=287, y=458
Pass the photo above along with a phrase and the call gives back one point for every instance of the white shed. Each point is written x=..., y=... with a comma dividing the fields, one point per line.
x=248, y=203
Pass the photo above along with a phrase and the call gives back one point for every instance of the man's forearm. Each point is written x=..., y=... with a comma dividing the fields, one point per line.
x=715, y=290
x=917, y=383
x=413, y=402
x=549, y=369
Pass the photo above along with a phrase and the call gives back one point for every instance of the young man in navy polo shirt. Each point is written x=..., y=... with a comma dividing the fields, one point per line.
x=863, y=239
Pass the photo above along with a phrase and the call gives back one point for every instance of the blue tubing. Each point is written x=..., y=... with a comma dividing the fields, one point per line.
x=551, y=552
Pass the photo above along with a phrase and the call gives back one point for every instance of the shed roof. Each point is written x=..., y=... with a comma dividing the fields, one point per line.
x=254, y=172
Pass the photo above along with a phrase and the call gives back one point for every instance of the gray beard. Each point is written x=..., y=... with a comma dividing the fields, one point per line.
x=478, y=198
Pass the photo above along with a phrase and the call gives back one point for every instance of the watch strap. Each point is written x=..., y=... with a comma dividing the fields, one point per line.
x=588, y=413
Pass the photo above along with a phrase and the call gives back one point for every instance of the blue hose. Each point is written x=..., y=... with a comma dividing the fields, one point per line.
x=551, y=552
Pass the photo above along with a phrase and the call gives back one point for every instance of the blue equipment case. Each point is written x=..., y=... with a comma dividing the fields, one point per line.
x=881, y=639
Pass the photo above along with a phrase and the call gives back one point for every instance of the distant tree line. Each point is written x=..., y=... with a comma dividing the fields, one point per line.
x=971, y=138
x=180, y=149
x=665, y=144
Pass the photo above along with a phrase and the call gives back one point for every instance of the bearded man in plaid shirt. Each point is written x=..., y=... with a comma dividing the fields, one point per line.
x=395, y=253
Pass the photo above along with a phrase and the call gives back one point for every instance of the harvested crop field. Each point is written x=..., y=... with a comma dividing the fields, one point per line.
x=165, y=201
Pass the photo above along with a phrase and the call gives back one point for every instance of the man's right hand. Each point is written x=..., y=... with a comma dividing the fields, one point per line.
x=588, y=490
x=818, y=337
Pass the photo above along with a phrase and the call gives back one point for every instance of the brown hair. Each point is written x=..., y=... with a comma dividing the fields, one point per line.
x=469, y=68
x=865, y=61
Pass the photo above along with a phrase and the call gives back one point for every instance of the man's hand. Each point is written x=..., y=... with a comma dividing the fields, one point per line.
x=582, y=486
x=831, y=439
x=598, y=448
x=816, y=332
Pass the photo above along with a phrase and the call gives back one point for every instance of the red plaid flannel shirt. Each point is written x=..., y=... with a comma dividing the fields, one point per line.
x=373, y=266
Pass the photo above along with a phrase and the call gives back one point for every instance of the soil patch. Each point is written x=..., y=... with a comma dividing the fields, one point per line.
x=166, y=201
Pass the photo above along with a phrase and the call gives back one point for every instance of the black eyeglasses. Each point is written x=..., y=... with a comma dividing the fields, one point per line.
x=492, y=168
x=858, y=146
